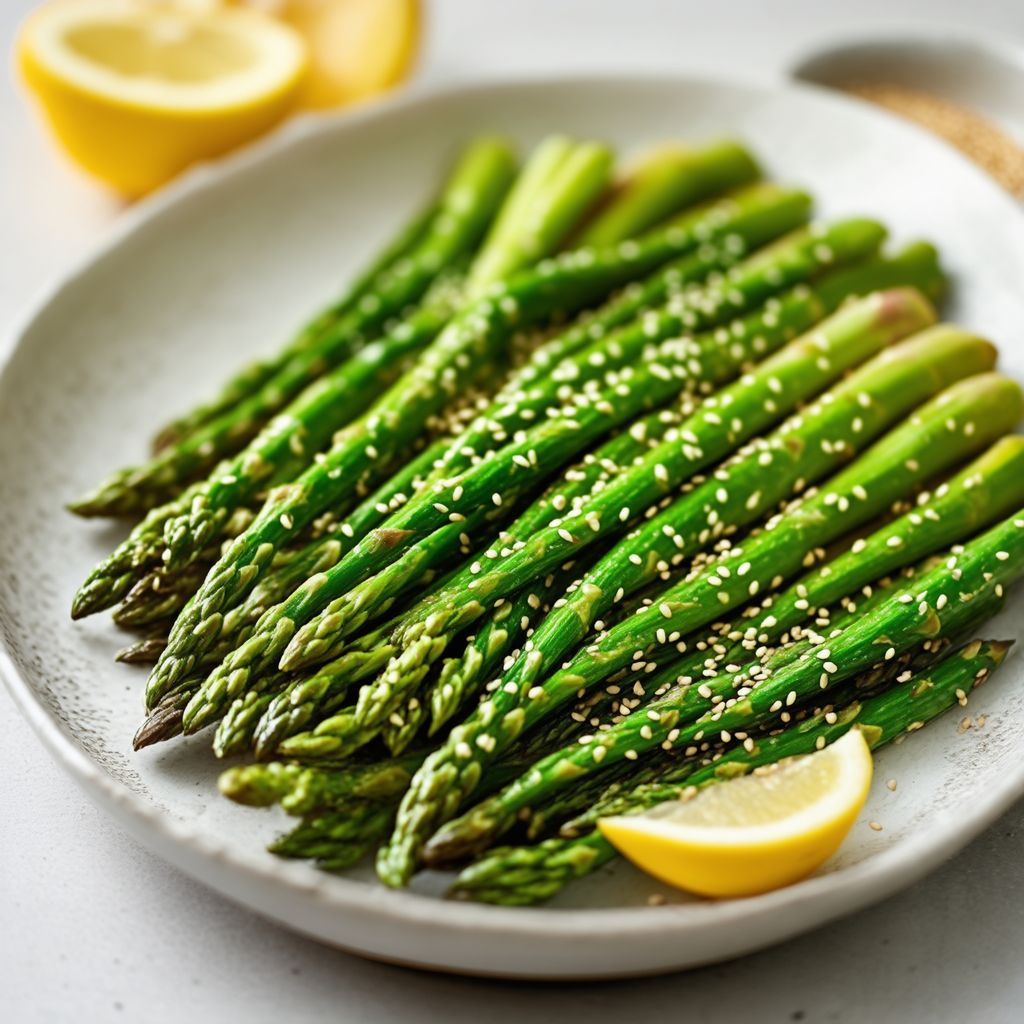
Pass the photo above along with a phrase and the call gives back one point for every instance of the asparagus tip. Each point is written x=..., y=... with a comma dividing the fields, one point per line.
x=142, y=652
x=161, y=724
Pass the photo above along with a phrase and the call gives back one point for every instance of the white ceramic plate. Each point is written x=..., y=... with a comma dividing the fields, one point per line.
x=223, y=265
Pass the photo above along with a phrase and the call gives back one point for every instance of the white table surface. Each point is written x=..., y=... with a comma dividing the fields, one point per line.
x=93, y=928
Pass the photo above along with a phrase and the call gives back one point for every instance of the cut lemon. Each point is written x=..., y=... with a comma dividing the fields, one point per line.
x=135, y=92
x=357, y=48
x=753, y=833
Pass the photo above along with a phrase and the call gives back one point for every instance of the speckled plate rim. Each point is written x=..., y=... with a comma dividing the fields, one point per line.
x=271, y=888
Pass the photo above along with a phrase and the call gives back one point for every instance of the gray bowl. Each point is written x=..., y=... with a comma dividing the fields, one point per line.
x=983, y=74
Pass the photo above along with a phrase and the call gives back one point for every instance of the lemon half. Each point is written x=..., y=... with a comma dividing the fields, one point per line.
x=135, y=92
x=753, y=833
x=357, y=48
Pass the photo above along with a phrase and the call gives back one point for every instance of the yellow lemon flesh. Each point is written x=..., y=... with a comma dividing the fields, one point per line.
x=135, y=92
x=357, y=48
x=753, y=833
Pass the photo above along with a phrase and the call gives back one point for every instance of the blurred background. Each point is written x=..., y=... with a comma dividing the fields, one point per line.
x=96, y=929
x=357, y=50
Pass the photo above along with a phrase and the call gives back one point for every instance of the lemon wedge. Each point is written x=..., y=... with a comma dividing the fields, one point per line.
x=135, y=92
x=753, y=833
x=357, y=48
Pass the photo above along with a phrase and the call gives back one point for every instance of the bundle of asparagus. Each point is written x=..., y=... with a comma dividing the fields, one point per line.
x=590, y=491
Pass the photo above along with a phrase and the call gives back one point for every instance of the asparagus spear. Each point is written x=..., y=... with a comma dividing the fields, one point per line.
x=475, y=190
x=285, y=447
x=142, y=652
x=235, y=731
x=164, y=719
x=252, y=377
x=300, y=789
x=559, y=184
x=949, y=591
x=847, y=418
x=129, y=562
x=664, y=181
x=531, y=874
x=161, y=594
x=337, y=841
x=493, y=643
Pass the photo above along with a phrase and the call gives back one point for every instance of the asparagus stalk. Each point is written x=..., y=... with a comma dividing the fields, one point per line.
x=475, y=190
x=494, y=642
x=290, y=441
x=142, y=652
x=164, y=720
x=337, y=841
x=235, y=731
x=524, y=875
x=848, y=418
x=559, y=185
x=161, y=594
x=950, y=592
x=300, y=789
x=666, y=180
x=130, y=561
x=252, y=377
